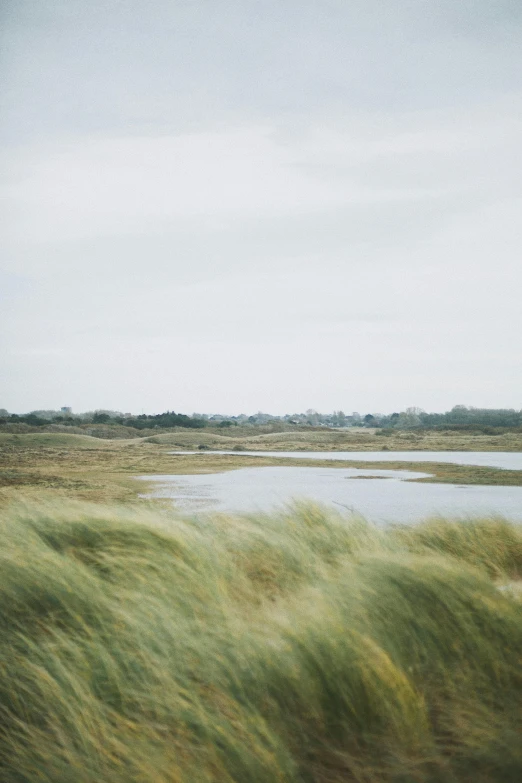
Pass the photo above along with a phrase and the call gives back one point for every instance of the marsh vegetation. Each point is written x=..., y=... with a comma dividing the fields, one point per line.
x=298, y=646
x=101, y=470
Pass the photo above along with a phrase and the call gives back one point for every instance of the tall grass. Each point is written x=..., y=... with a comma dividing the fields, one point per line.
x=300, y=646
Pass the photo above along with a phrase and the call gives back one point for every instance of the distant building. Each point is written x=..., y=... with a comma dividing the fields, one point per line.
x=66, y=409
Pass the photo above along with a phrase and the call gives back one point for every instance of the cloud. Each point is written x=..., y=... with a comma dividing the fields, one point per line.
x=91, y=186
x=308, y=207
x=127, y=185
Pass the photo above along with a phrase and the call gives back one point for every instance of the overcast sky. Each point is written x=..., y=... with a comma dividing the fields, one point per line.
x=241, y=205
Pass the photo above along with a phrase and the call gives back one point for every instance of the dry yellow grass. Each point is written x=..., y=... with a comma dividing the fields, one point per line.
x=350, y=439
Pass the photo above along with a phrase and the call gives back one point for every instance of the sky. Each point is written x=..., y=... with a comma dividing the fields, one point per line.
x=241, y=205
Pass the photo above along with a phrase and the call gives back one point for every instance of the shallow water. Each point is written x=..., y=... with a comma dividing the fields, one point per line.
x=388, y=498
x=509, y=460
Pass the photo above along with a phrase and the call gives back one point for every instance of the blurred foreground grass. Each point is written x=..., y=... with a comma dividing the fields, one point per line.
x=300, y=646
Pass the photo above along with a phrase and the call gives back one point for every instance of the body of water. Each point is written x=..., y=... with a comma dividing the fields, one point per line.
x=386, y=498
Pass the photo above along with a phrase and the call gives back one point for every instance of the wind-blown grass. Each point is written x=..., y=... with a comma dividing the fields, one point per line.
x=300, y=646
x=494, y=544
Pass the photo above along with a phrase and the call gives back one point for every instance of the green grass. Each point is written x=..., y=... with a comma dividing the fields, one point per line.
x=300, y=646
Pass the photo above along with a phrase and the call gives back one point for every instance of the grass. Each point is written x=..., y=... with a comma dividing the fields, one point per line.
x=301, y=647
x=350, y=439
x=284, y=438
x=492, y=544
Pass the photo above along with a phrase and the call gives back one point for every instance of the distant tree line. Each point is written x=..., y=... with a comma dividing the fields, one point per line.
x=458, y=418
x=141, y=422
x=168, y=419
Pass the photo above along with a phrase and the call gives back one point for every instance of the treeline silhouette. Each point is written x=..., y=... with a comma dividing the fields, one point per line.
x=141, y=422
x=458, y=418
